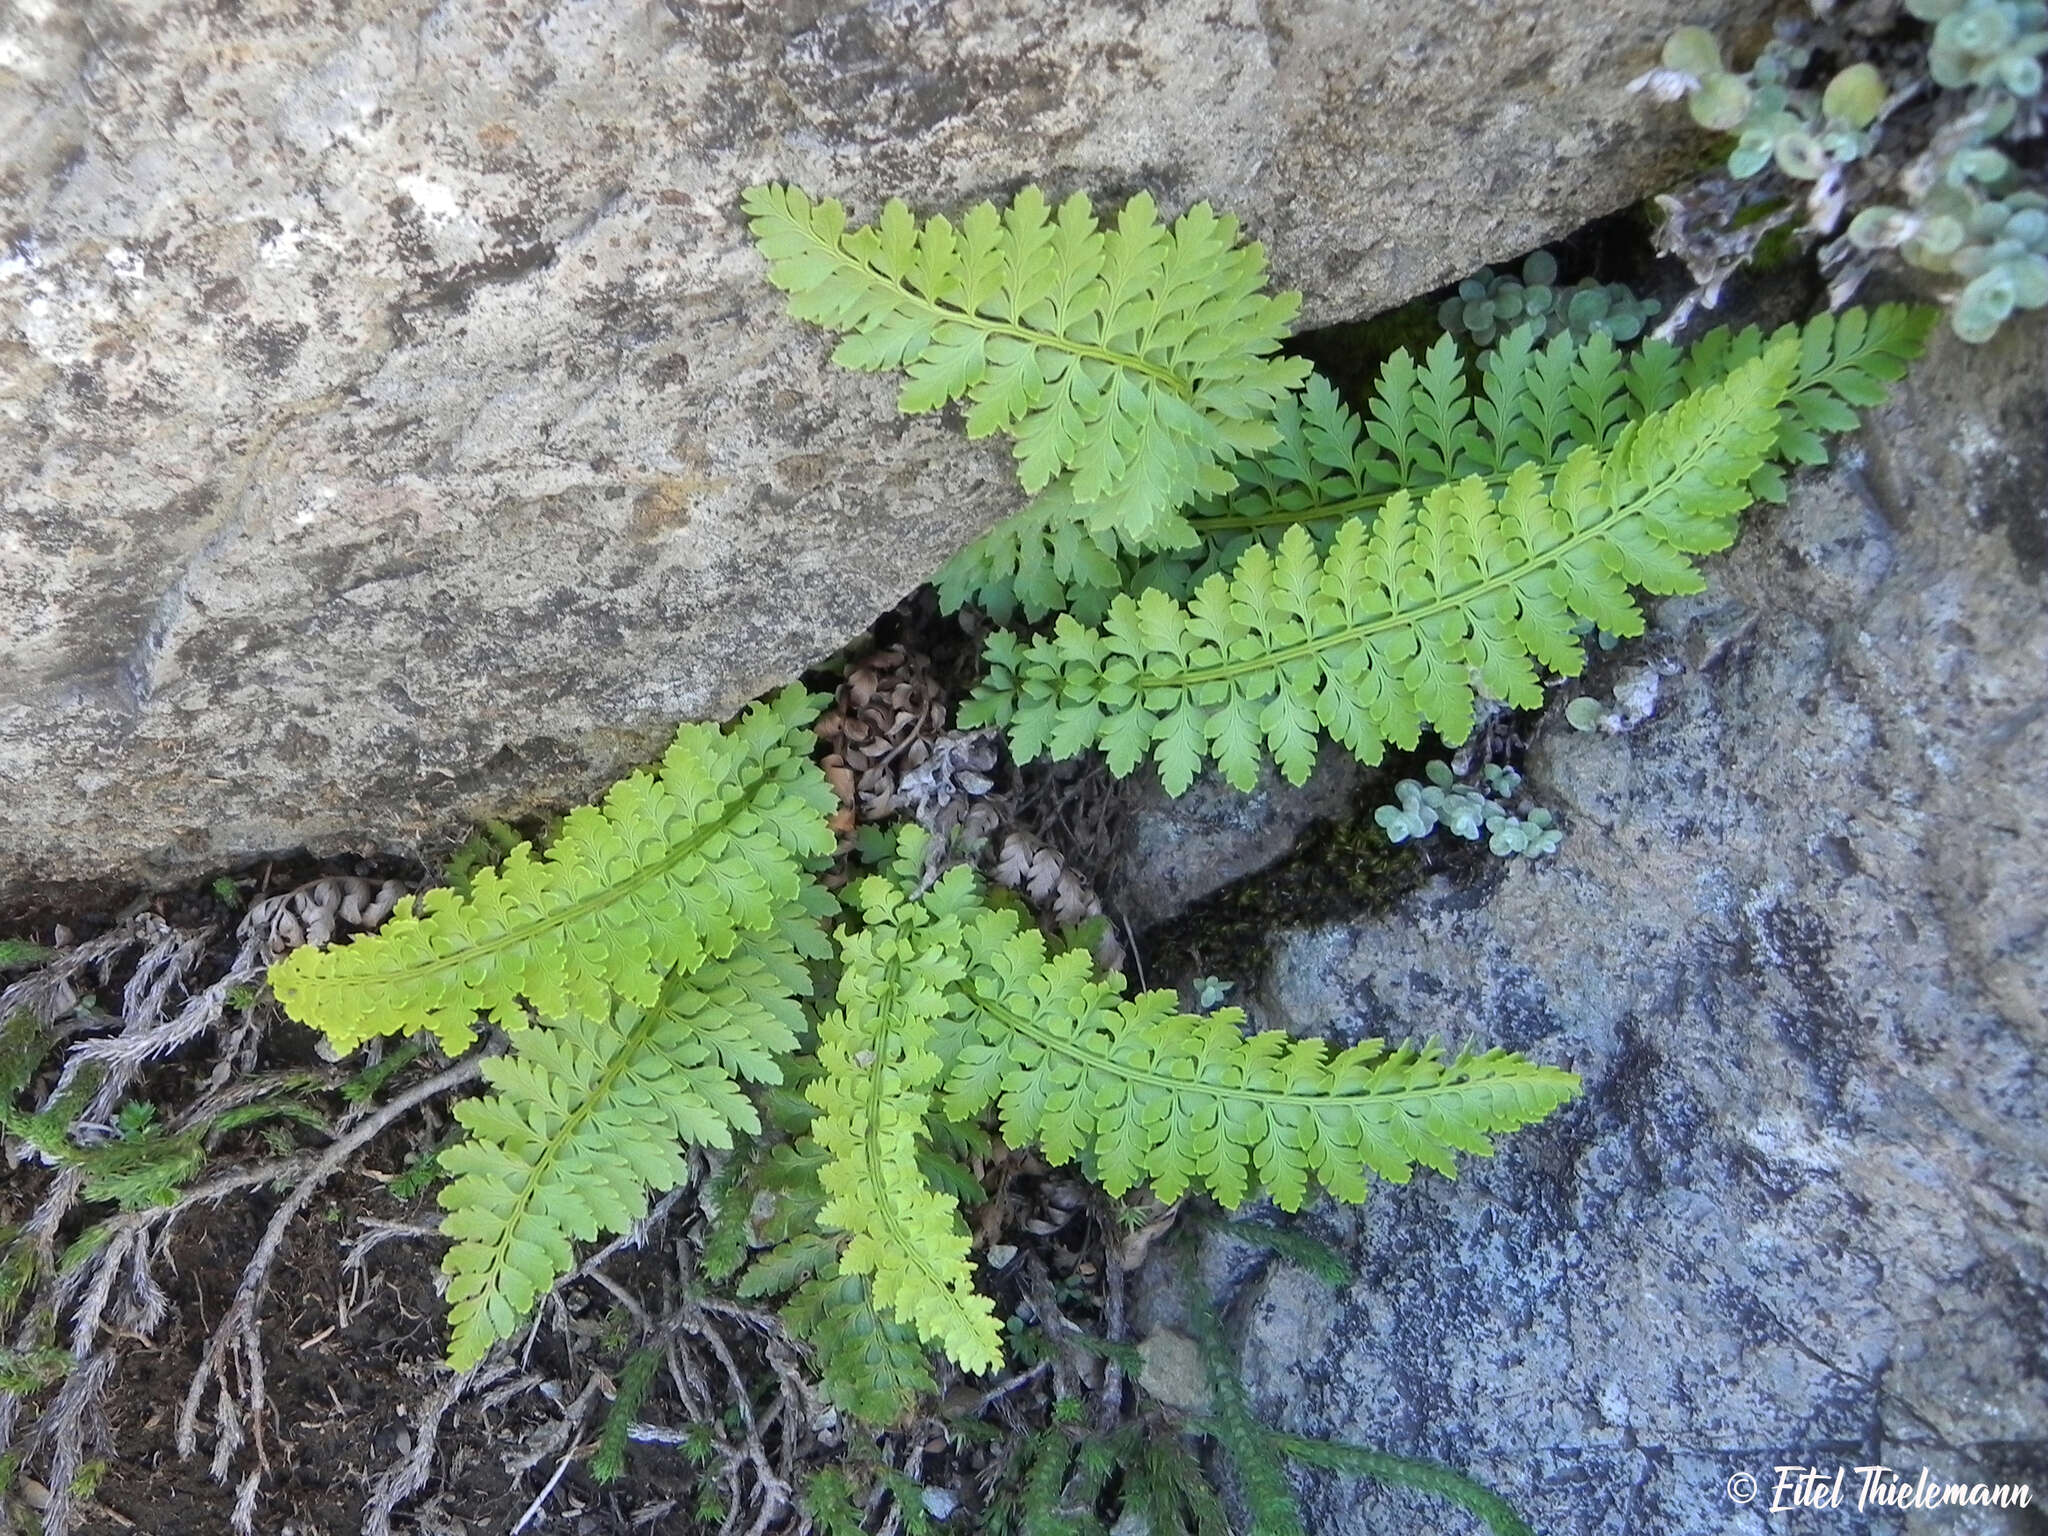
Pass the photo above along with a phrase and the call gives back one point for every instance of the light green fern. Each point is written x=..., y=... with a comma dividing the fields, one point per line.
x=1146, y=1093
x=671, y=870
x=590, y=1115
x=873, y=1094
x=1132, y=365
x=944, y=994
x=662, y=941
x=1405, y=619
x=1426, y=425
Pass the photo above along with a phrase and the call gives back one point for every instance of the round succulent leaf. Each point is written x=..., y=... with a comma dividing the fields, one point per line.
x=1800, y=156
x=2029, y=281
x=1879, y=228
x=1693, y=51
x=1721, y=103
x=1855, y=96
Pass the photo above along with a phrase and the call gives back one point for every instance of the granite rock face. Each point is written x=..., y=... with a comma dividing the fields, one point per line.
x=395, y=424
x=1796, y=942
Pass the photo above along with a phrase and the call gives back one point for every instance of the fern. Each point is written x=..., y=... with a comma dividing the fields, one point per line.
x=670, y=871
x=944, y=994
x=1132, y=365
x=873, y=1095
x=1400, y=622
x=1147, y=1092
x=1425, y=426
x=587, y=1118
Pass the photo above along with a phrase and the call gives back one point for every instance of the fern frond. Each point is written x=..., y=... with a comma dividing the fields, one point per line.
x=1188, y=1100
x=1135, y=364
x=1402, y=621
x=869, y=1365
x=587, y=1117
x=873, y=1095
x=1424, y=426
x=670, y=870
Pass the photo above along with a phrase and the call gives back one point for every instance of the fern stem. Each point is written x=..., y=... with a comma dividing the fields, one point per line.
x=1110, y=1066
x=1023, y=333
x=1323, y=511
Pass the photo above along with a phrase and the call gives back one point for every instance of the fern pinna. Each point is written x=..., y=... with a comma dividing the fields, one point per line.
x=1426, y=425
x=1133, y=365
x=661, y=941
x=1404, y=619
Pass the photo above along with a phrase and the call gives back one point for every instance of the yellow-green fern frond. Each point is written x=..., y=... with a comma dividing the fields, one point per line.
x=670, y=870
x=1132, y=364
x=1404, y=619
x=873, y=1095
x=590, y=1114
x=1149, y=1093
x=1426, y=424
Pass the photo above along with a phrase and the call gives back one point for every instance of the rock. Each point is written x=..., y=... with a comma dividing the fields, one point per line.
x=1796, y=942
x=1182, y=849
x=397, y=426
x=1174, y=1372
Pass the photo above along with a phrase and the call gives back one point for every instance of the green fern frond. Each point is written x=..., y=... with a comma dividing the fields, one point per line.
x=587, y=1117
x=671, y=869
x=869, y=1365
x=1403, y=621
x=1426, y=426
x=1188, y=1100
x=1132, y=364
x=873, y=1095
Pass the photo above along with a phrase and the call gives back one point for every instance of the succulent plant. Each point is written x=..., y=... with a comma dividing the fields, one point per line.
x=1487, y=305
x=1957, y=208
x=1467, y=812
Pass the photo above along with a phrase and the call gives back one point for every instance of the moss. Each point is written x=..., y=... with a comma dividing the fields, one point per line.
x=1340, y=867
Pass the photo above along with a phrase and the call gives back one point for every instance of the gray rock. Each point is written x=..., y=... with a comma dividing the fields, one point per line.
x=1796, y=942
x=1182, y=849
x=397, y=428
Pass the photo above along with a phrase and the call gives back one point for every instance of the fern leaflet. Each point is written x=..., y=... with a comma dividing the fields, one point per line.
x=1133, y=365
x=1424, y=427
x=669, y=871
x=1400, y=621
